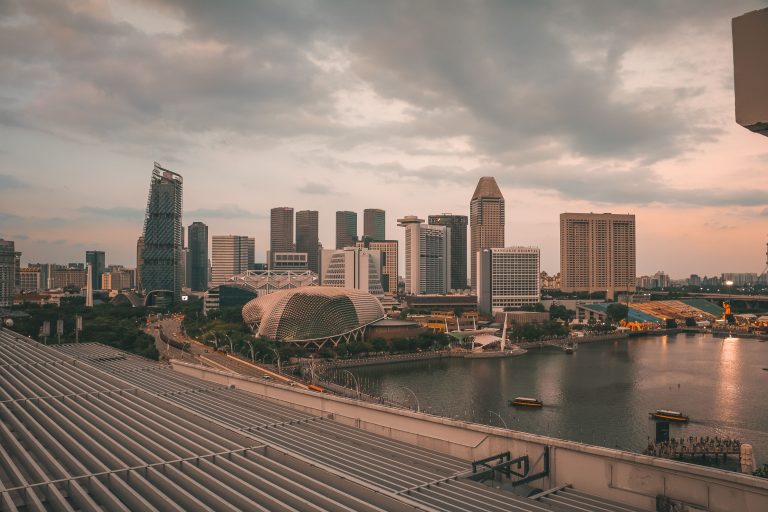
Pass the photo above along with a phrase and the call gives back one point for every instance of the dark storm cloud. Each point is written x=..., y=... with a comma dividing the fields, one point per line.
x=519, y=80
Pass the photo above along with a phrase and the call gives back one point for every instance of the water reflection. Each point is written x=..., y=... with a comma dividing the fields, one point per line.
x=601, y=394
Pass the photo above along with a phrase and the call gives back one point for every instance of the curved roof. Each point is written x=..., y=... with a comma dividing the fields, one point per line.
x=311, y=312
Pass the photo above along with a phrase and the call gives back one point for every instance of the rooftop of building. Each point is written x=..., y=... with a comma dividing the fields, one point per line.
x=487, y=188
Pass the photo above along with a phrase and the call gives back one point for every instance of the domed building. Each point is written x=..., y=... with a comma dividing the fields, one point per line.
x=313, y=315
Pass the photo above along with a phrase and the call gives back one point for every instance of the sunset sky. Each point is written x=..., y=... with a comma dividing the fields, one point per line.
x=603, y=106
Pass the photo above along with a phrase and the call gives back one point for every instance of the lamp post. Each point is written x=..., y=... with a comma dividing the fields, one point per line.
x=357, y=385
x=502, y=419
x=231, y=347
x=277, y=356
x=416, y=399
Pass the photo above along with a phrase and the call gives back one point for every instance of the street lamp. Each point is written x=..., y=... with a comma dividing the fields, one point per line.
x=418, y=407
x=231, y=347
x=502, y=419
x=277, y=356
x=357, y=385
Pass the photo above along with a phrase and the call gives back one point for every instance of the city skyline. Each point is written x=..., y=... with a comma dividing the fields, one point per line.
x=628, y=134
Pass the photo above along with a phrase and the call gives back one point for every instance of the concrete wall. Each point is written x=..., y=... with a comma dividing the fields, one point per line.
x=617, y=475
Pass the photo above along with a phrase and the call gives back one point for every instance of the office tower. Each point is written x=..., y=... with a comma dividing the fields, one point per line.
x=486, y=220
x=229, y=255
x=97, y=261
x=352, y=267
x=427, y=257
x=197, y=260
x=7, y=272
x=389, y=262
x=307, y=238
x=161, y=268
x=458, y=225
x=116, y=280
x=139, y=261
x=507, y=277
x=374, y=226
x=597, y=252
x=346, y=229
x=280, y=231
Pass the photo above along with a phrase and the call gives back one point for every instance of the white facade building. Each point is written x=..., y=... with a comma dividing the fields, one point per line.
x=508, y=277
x=230, y=255
x=357, y=268
x=427, y=257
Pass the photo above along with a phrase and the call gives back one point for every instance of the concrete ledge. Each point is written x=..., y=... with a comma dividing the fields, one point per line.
x=617, y=475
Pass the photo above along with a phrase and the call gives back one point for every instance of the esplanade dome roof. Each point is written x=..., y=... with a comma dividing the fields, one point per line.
x=311, y=312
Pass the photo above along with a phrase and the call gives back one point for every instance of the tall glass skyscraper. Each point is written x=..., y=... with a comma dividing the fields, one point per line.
x=161, y=268
x=197, y=258
x=97, y=259
x=374, y=224
x=346, y=229
x=486, y=220
x=458, y=225
x=307, y=239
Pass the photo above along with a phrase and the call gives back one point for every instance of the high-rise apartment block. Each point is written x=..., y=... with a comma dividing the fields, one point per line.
x=230, y=256
x=507, y=277
x=389, y=265
x=307, y=238
x=280, y=232
x=161, y=268
x=197, y=257
x=458, y=225
x=346, y=229
x=352, y=267
x=486, y=220
x=7, y=272
x=597, y=252
x=70, y=277
x=98, y=262
x=374, y=224
x=427, y=257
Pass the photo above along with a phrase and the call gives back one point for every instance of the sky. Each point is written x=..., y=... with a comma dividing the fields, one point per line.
x=574, y=106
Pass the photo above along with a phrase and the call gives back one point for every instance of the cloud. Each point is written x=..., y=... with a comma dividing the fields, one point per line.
x=8, y=182
x=115, y=212
x=316, y=188
x=20, y=236
x=223, y=212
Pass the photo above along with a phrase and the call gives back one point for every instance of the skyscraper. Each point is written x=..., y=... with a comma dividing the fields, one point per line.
x=374, y=226
x=139, y=261
x=597, y=252
x=486, y=220
x=427, y=257
x=346, y=229
x=507, y=277
x=17, y=271
x=230, y=256
x=97, y=259
x=7, y=272
x=458, y=225
x=161, y=267
x=307, y=239
x=197, y=259
x=280, y=231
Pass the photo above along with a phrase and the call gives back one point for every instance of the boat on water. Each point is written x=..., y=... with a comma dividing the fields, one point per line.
x=665, y=415
x=570, y=347
x=524, y=401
